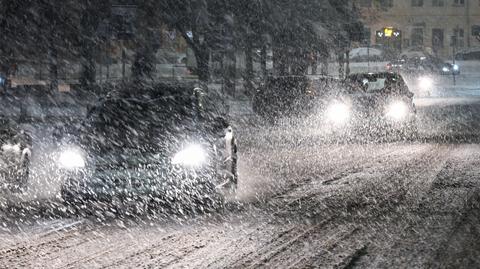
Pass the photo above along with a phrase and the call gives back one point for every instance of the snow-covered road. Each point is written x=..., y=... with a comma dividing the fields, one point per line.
x=301, y=203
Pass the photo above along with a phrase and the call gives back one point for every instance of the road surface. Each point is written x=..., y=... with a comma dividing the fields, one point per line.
x=302, y=203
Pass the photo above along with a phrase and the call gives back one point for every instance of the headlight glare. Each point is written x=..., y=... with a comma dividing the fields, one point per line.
x=71, y=159
x=338, y=112
x=425, y=83
x=191, y=156
x=397, y=110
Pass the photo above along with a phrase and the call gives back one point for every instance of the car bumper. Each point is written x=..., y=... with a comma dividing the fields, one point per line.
x=161, y=184
x=372, y=125
x=450, y=73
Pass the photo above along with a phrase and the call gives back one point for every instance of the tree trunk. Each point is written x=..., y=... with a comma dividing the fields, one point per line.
x=341, y=65
x=144, y=64
x=143, y=67
x=279, y=62
x=299, y=62
x=325, y=66
x=53, y=68
x=264, y=61
x=314, y=60
x=230, y=72
x=202, y=55
x=89, y=69
x=249, y=68
x=347, y=61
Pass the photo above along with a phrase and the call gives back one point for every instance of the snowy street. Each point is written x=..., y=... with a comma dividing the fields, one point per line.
x=240, y=134
x=301, y=203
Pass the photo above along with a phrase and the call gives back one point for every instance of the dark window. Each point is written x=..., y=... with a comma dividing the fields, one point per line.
x=459, y=2
x=476, y=30
x=438, y=3
x=417, y=3
x=437, y=38
x=417, y=37
x=458, y=37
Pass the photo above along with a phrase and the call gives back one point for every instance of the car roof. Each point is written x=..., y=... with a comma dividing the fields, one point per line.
x=375, y=75
x=151, y=91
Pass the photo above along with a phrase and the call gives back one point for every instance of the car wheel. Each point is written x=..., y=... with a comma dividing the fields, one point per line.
x=20, y=176
x=208, y=198
x=234, y=180
x=73, y=208
x=410, y=132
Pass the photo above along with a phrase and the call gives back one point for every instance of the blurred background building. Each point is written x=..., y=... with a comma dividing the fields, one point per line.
x=443, y=27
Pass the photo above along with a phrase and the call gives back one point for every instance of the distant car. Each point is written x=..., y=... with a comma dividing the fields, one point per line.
x=287, y=96
x=15, y=154
x=450, y=69
x=468, y=55
x=374, y=104
x=163, y=146
x=421, y=66
x=396, y=65
x=414, y=52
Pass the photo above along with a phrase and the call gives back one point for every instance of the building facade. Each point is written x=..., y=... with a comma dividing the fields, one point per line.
x=439, y=26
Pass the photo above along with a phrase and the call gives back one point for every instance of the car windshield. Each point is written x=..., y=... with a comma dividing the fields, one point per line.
x=374, y=85
x=143, y=124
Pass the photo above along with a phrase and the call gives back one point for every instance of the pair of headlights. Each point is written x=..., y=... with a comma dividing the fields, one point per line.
x=191, y=156
x=340, y=113
x=454, y=68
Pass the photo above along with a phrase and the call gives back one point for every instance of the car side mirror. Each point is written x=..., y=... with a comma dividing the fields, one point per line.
x=220, y=124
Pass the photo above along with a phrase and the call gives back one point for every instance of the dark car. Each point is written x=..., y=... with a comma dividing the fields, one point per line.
x=287, y=96
x=426, y=65
x=164, y=146
x=373, y=103
x=450, y=69
x=397, y=65
x=15, y=153
x=468, y=55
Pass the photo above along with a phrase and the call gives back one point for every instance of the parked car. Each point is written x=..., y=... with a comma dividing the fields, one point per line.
x=160, y=145
x=364, y=54
x=420, y=66
x=468, y=55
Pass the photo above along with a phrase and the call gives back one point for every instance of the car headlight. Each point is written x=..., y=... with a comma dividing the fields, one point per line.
x=398, y=110
x=445, y=69
x=71, y=159
x=456, y=67
x=425, y=82
x=338, y=112
x=192, y=156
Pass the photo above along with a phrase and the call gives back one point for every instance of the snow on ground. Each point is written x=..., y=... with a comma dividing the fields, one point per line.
x=328, y=206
